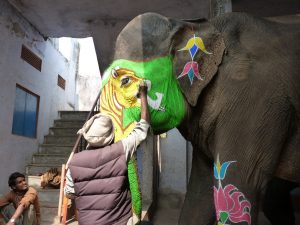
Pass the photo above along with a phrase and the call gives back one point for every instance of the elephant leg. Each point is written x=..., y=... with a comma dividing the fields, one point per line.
x=235, y=203
x=198, y=208
x=277, y=204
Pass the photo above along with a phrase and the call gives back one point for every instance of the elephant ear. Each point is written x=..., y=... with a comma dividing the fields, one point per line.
x=204, y=62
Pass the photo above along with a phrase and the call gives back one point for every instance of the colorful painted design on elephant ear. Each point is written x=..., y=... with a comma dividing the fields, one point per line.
x=191, y=68
x=231, y=205
x=193, y=45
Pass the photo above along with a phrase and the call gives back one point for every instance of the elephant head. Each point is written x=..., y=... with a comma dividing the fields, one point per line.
x=177, y=59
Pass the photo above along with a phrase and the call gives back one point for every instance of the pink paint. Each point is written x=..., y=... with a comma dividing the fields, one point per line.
x=233, y=203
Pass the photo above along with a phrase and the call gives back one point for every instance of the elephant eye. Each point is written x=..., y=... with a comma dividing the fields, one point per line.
x=125, y=81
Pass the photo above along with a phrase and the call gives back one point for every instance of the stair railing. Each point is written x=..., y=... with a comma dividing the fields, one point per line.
x=80, y=145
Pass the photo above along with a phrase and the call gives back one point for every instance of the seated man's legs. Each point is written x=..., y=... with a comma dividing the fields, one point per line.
x=29, y=217
x=8, y=211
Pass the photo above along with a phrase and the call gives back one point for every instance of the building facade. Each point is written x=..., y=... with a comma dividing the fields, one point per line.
x=36, y=81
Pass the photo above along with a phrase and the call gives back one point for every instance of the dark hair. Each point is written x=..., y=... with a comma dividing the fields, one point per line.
x=12, y=178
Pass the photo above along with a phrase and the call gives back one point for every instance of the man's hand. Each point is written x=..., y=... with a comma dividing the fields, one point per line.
x=17, y=214
x=143, y=88
x=144, y=103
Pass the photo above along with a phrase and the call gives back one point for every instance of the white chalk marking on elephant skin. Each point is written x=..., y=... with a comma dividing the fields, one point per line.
x=154, y=104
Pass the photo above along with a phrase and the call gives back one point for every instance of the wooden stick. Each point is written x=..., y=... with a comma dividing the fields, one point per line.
x=61, y=191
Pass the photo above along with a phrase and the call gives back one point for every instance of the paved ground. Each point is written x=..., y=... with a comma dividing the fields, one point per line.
x=169, y=207
x=168, y=211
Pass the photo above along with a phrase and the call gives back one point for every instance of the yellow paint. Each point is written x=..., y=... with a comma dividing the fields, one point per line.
x=218, y=165
x=198, y=42
x=116, y=96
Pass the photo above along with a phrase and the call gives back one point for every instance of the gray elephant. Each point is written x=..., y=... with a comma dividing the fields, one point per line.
x=232, y=88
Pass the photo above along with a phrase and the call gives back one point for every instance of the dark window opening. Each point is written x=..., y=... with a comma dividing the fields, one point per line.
x=31, y=58
x=61, y=82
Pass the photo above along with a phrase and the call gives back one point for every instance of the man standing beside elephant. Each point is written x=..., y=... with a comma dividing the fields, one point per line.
x=98, y=178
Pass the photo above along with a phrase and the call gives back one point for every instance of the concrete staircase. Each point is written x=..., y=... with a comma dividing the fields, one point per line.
x=54, y=152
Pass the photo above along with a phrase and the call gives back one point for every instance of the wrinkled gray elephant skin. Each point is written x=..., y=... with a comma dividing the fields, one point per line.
x=245, y=111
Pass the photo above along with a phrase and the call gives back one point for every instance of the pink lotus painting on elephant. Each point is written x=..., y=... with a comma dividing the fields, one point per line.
x=231, y=204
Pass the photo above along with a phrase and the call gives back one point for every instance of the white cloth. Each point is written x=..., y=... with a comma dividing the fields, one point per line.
x=98, y=131
x=130, y=144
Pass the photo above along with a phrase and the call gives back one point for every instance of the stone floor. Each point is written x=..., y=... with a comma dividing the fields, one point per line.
x=168, y=211
x=169, y=206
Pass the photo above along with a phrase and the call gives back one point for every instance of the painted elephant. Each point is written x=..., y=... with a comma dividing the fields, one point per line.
x=232, y=88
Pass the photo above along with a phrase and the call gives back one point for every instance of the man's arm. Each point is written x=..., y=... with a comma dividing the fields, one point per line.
x=144, y=102
x=17, y=214
x=6, y=199
x=69, y=187
x=29, y=198
x=140, y=131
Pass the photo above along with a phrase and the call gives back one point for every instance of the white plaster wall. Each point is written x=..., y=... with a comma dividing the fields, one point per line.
x=87, y=90
x=89, y=79
x=175, y=156
x=16, y=151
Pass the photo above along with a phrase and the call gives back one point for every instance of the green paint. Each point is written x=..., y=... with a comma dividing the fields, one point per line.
x=160, y=72
x=136, y=198
x=224, y=217
x=130, y=114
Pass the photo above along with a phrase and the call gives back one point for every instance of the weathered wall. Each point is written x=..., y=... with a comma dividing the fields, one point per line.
x=87, y=90
x=89, y=79
x=16, y=151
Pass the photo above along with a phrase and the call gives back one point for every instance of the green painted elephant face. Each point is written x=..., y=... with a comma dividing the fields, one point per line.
x=165, y=100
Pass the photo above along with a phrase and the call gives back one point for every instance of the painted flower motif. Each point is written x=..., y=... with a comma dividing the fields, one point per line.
x=191, y=70
x=231, y=205
x=193, y=45
x=220, y=170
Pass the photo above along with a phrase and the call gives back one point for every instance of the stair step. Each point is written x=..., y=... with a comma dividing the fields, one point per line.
x=48, y=195
x=36, y=169
x=40, y=158
x=63, y=131
x=73, y=115
x=49, y=205
x=49, y=212
x=34, y=181
x=68, y=123
x=68, y=140
x=56, y=148
x=48, y=219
